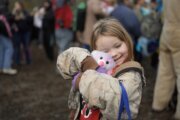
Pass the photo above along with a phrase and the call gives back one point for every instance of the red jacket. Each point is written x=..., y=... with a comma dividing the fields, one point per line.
x=65, y=15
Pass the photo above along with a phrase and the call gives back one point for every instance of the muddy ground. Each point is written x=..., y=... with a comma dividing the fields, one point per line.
x=38, y=92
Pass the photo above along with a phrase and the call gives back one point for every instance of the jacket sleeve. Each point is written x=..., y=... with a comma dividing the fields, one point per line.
x=69, y=62
x=104, y=92
x=73, y=99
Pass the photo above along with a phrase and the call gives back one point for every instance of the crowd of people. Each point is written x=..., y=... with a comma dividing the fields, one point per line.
x=61, y=22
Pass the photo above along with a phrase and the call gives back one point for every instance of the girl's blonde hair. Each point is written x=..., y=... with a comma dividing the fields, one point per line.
x=112, y=27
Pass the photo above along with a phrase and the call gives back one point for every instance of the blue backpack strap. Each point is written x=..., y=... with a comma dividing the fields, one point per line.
x=124, y=103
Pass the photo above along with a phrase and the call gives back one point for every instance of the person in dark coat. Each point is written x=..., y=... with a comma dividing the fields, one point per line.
x=48, y=30
x=21, y=27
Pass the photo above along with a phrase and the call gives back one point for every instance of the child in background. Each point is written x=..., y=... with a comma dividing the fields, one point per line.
x=21, y=36
x=95, y=95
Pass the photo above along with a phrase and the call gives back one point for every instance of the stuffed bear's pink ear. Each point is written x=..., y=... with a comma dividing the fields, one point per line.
x=96, y=54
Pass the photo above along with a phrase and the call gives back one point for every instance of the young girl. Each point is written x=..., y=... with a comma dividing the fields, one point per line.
x=21, y=28
x=95, y=95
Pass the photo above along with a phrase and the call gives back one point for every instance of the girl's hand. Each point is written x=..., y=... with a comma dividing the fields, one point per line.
x=88, y=63
x=74, y=60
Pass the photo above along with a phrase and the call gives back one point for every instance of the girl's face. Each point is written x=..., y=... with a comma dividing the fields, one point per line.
x=115, y=47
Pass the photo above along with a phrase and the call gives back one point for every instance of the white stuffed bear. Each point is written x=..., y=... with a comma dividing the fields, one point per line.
x=104, y=60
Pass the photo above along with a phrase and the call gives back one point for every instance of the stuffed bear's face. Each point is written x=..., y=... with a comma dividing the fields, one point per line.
x=103, y=59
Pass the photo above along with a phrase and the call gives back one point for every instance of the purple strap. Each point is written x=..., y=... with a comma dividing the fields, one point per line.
x=74, y=80
x=99, y=69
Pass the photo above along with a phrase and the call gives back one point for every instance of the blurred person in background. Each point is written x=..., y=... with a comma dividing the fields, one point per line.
x=96, y=9
x=6, y=45
x=36, y=32
x=138, y=4
x=80, y=17
x=48, y=22
x=169, y=59
x=21, y=28
x=151, y=26
x=63, y=25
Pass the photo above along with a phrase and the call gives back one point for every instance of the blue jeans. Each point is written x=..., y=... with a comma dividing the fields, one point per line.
x=63, y=38
x=6, y=52
x=22, y=38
